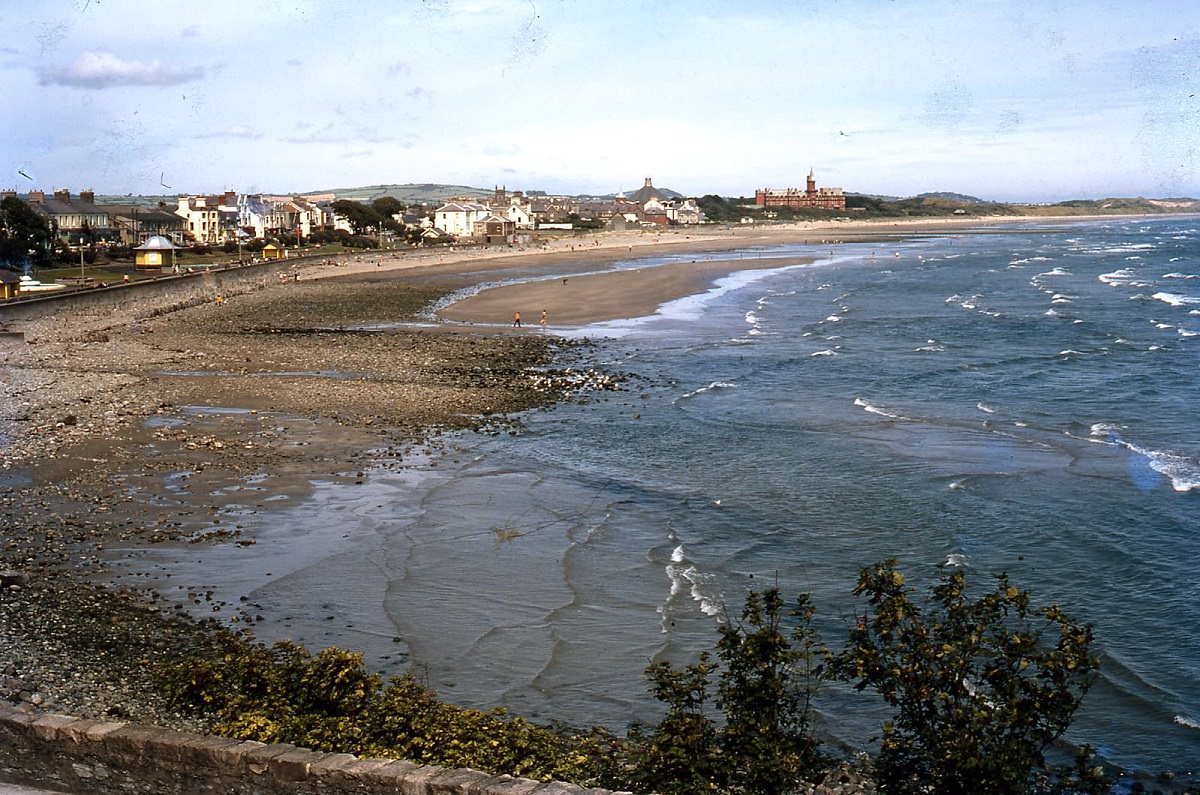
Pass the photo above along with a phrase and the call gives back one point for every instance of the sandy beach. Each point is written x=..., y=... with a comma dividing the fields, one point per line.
x=575, y=301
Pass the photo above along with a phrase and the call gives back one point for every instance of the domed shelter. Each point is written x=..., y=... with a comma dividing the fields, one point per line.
x=153, y=254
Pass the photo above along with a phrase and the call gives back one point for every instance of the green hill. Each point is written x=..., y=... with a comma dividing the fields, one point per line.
x=409, y=193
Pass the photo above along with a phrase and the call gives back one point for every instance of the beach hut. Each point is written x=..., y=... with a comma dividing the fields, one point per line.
x=10, y=284
x=272, y=251
x=154, y=253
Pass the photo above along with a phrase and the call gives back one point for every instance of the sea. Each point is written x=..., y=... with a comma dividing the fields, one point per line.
x=1017, y=399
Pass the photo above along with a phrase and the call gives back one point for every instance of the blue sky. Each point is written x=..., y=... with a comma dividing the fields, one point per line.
x=1007, y=100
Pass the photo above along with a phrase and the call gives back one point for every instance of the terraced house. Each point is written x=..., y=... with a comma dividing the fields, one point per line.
x=75, y=221
x=210, y=219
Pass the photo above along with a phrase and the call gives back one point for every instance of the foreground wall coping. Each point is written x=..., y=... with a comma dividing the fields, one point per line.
x=89, y=756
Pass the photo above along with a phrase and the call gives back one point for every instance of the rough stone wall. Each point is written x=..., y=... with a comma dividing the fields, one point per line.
x=85, y=756
x=140, y=299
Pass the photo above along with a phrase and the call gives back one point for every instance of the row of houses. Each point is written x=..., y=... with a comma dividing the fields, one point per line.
x=507, y=214
x=78, y=220
x=209, y=220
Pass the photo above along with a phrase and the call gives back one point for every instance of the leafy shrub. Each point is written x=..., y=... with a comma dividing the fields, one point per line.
x=765, y=684
x=329, y=702
x=981, y=687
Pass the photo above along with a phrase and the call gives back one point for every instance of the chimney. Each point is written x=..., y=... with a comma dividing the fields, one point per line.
x=36, y=197
x=231, y=198
x=87, y=196
x=63, y=195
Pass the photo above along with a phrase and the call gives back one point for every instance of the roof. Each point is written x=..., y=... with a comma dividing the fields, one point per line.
x=157, y=243
x=143, y=214
x=52, y=206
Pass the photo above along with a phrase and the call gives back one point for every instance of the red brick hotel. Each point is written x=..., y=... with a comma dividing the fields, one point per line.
x=809, y=198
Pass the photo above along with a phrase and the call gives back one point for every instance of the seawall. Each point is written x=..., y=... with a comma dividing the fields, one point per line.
x=102, y=307
x=86, y=756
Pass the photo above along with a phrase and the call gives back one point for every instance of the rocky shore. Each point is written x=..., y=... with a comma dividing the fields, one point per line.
x=126, y=435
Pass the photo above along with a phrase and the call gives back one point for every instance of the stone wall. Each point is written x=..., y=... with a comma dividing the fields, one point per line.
x=140, y=299
x=77, y=755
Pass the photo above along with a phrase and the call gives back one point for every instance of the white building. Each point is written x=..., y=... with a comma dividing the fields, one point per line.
x=521, y=215
x=459, y=218
x=209, y=219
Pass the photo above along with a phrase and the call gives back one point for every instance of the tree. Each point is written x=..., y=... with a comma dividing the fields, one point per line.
x=682, y=753
x=766, y=682
x=766, y=690
x=720, y=210
x=24, y=235
x=361, y=217
x=981, y=687
x=387, y=206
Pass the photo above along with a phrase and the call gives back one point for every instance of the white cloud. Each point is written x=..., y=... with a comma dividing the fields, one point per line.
x=104, y=70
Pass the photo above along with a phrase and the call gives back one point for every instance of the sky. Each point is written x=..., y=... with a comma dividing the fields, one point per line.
x=1008, y=100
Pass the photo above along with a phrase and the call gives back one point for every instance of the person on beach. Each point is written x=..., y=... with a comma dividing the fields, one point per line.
x=545, y=319
x=516, y=320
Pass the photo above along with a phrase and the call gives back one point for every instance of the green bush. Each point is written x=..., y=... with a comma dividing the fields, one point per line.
x=981, y=687
x=330, y=703
x=765, y=682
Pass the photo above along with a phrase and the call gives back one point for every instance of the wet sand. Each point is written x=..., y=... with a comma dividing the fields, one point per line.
x=578, y=300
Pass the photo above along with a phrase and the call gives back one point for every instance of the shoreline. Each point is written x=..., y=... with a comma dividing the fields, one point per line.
x=596, y=297
x=279, y=382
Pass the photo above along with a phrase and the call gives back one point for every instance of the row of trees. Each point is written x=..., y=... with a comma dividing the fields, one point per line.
x=980, y=688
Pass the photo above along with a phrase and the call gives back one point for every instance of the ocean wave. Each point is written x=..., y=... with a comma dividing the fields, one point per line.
x=685, y=577
x=1184, y=720
x=1187, y=333
x=1117, y=277
x=1175, y=299
x=1050, y=313
x=985, y=408
x=955, y=558
x=714, y=385
x=934, y=348
x=824, y=353
x=1177, y=275
x=1030, y=259
x=833, y=319
x=865, y=406
x=1055, y=272
x=1182, y=470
